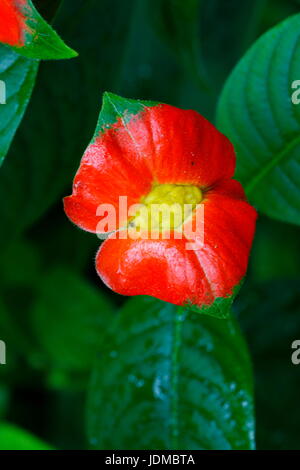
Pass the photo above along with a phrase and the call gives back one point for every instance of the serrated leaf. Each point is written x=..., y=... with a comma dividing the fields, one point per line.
x=17, y=75
x=167, y=378
x=40, y=41
x=257, y=114
x=15, y=438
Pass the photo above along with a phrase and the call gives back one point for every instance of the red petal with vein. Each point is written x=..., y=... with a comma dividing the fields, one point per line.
x=162, y=144
x=167, y=270
x=12, y=22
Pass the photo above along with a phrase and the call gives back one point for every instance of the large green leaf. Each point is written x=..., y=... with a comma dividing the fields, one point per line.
x=168, y=378
x=14, y=438
x=270, y=316
x=68, y=325
x=257, y=114
x=40, y=39
x=18, y=75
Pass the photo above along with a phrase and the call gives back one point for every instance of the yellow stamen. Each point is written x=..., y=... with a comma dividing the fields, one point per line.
x=166, y=207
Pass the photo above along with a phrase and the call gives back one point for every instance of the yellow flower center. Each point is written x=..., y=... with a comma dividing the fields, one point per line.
x=166, y=207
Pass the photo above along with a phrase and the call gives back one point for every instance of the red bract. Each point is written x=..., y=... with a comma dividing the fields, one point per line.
x=12, y=22
x=164, y=145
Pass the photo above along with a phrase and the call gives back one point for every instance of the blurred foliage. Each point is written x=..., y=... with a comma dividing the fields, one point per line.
x=275, y=252
x=184, y=383
x=270, y=315
x=68, y=337
x=54, y=311
x=257, y=114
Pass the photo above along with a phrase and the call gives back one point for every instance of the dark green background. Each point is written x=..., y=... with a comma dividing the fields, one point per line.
x=163, y=50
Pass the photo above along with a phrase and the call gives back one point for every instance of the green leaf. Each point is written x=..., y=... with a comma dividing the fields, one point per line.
x=270, y=315
x=115, y=107
x=41, y=41
x=14, y=438
x=18, y=76
x=257, y=114
x=168, y=378
x=221, y=308
x=68, y=318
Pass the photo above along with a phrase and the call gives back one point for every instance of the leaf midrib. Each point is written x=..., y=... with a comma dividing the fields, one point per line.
x=175, y=377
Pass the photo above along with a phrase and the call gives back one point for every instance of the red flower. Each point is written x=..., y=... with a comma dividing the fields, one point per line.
x=12, y=22
x=163, y=154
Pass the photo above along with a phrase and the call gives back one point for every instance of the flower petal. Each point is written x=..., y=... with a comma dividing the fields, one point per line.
x=229, y=226
x=167, y=270
x=161, y=144
x=104, y=175
x=178, y=146
x=160, y=268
